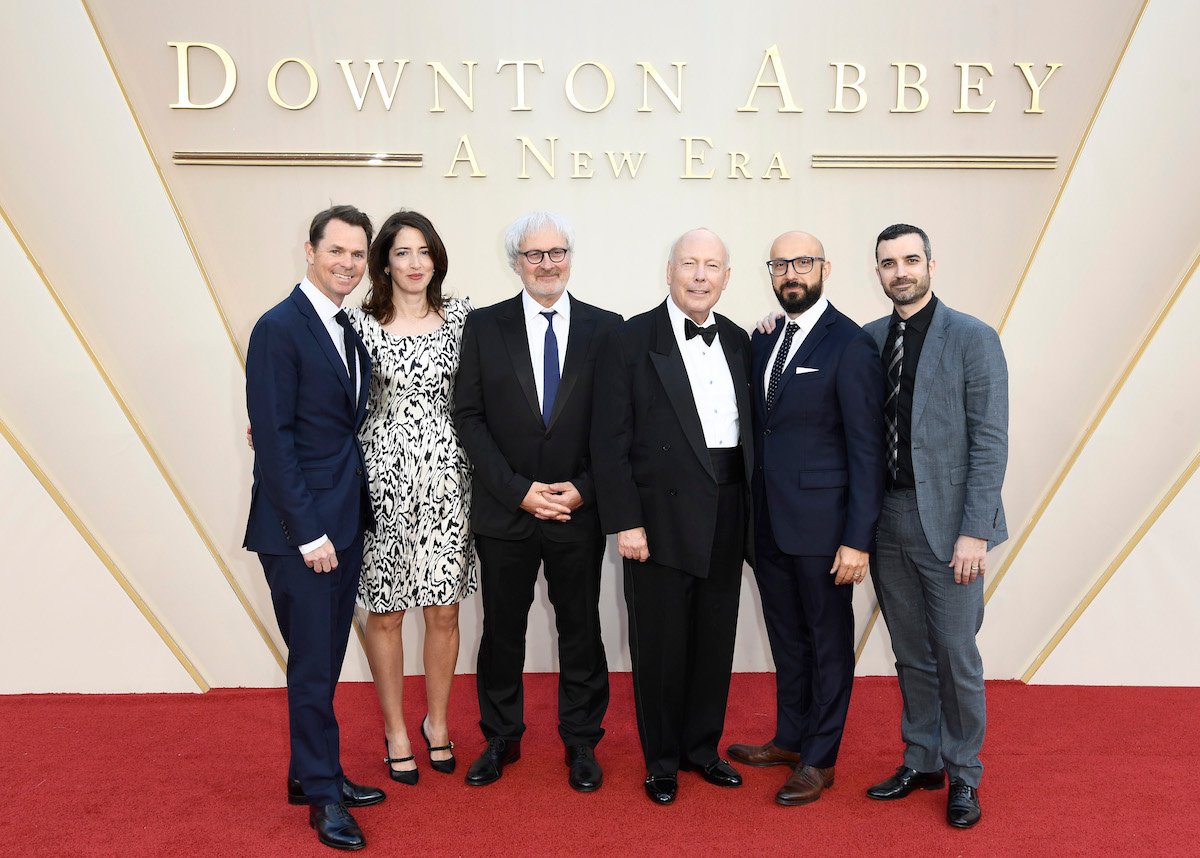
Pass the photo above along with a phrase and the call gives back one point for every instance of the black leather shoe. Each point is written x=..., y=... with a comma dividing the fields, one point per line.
x=336, y=827
x=905, y=781
x=962, y=805
x=717, y=773
x=353, y=795
x=585, y=775
x=490, y=764
x=661, y=788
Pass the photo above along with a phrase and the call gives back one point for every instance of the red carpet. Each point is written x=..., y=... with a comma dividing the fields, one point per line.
x=1069, y=771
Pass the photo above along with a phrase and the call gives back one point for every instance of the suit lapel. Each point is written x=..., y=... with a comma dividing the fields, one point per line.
x=668, y=363
x=931, y=357
x=512, y=330
x=579, y=339
x=364, y=379
x=811, y=341
x=324, y=342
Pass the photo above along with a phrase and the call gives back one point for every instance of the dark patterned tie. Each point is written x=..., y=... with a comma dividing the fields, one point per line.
x=550, y=371
x=348, y=342
x=891, y=408
x=781, y=360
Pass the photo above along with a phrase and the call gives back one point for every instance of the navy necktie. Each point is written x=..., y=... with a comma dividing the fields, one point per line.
x=550, y=371
x=781, y=361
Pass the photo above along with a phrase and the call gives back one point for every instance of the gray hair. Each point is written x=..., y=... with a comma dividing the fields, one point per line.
x=527, y=224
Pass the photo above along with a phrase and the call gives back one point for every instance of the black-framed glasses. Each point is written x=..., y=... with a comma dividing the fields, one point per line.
x=556, y=254
x=801, y=264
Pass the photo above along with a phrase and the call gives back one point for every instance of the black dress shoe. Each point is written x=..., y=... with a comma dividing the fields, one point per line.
x=336, y=827
x=962, y=805
x=661, y=788
x=446, y=767
x=490, y=764
x=353, y=795
x=905, y=781
x=717, y=773
x=585, y=775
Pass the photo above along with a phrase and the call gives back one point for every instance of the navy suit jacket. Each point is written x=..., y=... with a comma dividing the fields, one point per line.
x=309, y=474
x=819, y=452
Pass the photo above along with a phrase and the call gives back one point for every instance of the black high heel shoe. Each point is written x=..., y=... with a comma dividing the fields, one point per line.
x=407, y=777
x=446, y=767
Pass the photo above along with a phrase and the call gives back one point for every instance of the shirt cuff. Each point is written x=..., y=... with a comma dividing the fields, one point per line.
x=315, y=544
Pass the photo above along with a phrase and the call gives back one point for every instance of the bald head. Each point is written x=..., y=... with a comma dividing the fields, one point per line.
x=701, y=235
x=796, y=243
x=697, y=272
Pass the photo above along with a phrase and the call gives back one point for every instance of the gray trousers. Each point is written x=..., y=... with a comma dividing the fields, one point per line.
x=932, y=622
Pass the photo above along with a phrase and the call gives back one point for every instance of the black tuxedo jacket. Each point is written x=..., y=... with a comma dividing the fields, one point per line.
x=499, y=420
x=651, y=461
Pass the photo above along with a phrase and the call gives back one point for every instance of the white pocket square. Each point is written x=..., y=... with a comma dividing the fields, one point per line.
x=800, y=370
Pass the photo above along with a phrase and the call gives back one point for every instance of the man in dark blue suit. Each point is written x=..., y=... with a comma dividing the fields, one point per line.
x=817, y=487
x=306, y=394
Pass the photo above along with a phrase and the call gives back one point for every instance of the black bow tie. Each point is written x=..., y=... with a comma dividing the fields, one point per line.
x=691, y=329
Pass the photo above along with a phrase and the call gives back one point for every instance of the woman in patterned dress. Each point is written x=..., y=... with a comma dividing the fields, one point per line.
x=420, y=554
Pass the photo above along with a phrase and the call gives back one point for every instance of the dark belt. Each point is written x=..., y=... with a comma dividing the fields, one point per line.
x=727, y=464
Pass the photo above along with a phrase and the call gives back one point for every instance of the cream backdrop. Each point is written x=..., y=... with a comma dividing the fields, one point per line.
x=132, y=281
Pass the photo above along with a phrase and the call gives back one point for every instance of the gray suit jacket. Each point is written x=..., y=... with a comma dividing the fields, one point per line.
x=959, y=429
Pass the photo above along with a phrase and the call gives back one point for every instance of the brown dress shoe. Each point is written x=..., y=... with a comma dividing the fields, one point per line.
x=805, y=785
x=763, y=755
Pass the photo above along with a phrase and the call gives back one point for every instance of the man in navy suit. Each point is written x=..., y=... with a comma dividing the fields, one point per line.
x=306, y=395
x=817, y=488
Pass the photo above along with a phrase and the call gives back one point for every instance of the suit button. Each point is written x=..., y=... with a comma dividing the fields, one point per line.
x=666, y=447
x=766, y=431
x=358, y=472
x=672, y=492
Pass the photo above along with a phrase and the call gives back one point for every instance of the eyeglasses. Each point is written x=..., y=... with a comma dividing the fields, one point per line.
x=801, y=264
x=556, y=254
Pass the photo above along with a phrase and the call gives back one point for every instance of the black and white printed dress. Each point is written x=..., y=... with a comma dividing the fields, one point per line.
x=421, y=552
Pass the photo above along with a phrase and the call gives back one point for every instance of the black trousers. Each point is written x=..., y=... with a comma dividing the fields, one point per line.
x=681, y=637
x=810, y=624
x=314, y=612
x=508, y=572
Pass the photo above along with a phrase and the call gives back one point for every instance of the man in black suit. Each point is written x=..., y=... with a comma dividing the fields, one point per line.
x=306, y=395
x=818, y=487
x=523, y=410
x=671, y=445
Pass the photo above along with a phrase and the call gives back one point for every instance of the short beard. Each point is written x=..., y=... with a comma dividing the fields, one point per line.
x=810, y=296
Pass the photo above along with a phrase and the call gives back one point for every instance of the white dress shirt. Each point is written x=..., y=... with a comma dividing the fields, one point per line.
x=806, y=320
x=535, y=329
x=326, y=310
x=712, y=384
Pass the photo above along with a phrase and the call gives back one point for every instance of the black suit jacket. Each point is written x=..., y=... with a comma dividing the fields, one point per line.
x=499, y=421
x=819, y=452
x=651, y=461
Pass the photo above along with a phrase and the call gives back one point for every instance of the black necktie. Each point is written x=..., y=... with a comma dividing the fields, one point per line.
x=348, y=342
x=891, y=408
x=781, y=360
x=691, y=329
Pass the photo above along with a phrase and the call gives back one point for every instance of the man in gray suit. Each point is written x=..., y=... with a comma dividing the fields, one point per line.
x=946, y=425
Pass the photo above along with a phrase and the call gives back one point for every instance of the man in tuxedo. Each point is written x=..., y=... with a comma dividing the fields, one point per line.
x=671, y=448
x=523, y=410
x=306, y=394
x=946, y=431
x=818, y=485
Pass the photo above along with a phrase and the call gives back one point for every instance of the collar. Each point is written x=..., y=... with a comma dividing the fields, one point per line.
x=678, y=317
x=919, y=320
x=808, y=319
x=325, y=308
x=533, y=310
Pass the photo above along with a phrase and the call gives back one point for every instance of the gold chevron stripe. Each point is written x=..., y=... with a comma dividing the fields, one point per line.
x=154, y=457
x=1092, y=426
x=1023, y=538
x=1087, y=133
x=1112, y=567
x=102, y=555
x=191, y=243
